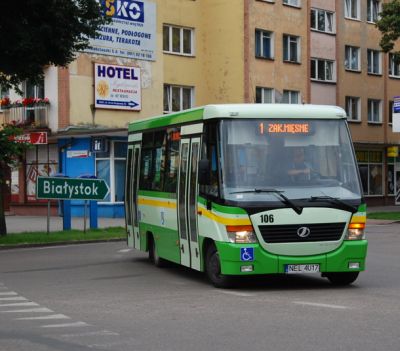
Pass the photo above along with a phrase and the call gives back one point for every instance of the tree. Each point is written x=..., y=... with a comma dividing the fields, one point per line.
x=10, y=153
x=35, y=34
x=389, y=25
x=38, y=33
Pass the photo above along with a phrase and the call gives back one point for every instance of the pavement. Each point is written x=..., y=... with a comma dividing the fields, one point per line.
x=18, y=224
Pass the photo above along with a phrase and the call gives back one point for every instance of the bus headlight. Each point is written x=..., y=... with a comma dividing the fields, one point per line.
x=241, y=234
x=355, y=231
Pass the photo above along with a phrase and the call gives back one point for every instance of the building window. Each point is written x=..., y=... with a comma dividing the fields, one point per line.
x=291, y=97
x=40, y=160
x=394, y=67
x=177, y=98
x=291, y=48
x=322, y=20
x=264, y=44
x=374, y=62
x=4, y=93
x=110, y=166
x=353, y=108
x=373, y=9
x=352, y=58
x=265, y=95
x=322, y=70
x=390, y=112
x=295, y=3
x=374, y=111
x=390, y=175
x=178, y=40
x=370, y=164
x=352, y=9
x=32, y=90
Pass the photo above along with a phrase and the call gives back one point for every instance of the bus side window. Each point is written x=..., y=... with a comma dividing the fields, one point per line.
x=172, y=161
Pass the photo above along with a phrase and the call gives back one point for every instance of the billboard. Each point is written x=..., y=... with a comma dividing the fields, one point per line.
x=396, y=114
x=117, y=87
x=131, y=33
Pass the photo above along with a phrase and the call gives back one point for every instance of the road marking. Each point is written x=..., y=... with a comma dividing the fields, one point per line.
x=94, y=333
x=235, y=293
x=8, y=293
x=50, y=316
x=124, y=250
x=315, y=304
x=15, y=298
x=29, y=310
x=66, y=325
x=19, y=304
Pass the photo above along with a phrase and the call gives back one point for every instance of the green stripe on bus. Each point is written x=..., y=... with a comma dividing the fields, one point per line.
x=222, y=209
x=151, y=193
x=167, y=120
x=362, y=208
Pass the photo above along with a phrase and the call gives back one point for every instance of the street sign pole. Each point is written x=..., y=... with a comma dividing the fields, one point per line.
x=48, y=217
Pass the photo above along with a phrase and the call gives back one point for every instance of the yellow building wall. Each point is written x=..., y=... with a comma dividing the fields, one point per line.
x=280, y=19
x=215, y=71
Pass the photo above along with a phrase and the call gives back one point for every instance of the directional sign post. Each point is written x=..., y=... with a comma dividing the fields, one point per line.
x=71, y=188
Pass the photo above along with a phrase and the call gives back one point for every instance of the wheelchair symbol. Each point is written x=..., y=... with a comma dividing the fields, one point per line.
x=247, y=254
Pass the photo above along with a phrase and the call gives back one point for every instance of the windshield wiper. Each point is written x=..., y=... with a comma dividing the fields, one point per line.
x=277, y=192
x=336, y=201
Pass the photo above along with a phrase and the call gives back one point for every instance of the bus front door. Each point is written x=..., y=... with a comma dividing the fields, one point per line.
x=187, y=202
x=131, y=196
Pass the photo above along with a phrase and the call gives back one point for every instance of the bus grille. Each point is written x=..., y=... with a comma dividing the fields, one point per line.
x=289, y=233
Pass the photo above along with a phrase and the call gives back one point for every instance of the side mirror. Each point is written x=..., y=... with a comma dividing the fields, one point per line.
x=204, y=172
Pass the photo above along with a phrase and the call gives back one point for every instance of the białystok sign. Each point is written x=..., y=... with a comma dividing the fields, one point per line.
x=71, y=188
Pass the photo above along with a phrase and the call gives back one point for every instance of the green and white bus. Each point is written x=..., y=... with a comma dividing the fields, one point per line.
x=244, y=189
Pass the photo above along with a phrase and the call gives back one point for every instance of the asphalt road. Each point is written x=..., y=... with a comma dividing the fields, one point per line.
x=105, y=297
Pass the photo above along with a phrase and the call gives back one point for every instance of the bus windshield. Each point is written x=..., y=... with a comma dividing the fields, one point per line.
x=301, y=159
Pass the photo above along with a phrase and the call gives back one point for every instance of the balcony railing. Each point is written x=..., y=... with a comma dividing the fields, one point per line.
x=28, y=116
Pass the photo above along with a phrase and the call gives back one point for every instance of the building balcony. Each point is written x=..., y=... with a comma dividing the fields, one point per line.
x=35, y=116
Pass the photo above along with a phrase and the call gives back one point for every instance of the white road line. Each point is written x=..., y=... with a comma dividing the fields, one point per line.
x=50, y=316
x=30, y=310
x=94, y=333
x=66, y=325
x=8, y=293
x=235, y=293
x=325, y=305
x=15, y=298
x=124, y=250
x=19, y=304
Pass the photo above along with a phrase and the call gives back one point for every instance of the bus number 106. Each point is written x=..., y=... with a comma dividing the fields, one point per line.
x=267, y=218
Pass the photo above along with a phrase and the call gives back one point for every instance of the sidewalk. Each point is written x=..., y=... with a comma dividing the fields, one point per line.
x=18, y=224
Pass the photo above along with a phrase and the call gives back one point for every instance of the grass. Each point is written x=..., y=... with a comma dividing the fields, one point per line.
x=62, y=236
x=393, y=216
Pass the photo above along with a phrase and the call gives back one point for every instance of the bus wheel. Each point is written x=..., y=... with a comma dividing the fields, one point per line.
x=213, y=269
x=342, y=278
x=153, y=255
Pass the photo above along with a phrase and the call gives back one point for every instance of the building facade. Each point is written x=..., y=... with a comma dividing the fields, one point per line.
x=197, y=52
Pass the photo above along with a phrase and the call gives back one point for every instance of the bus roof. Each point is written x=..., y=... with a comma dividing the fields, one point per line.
x=272, y=111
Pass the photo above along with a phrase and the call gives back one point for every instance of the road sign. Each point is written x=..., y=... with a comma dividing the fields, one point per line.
x=71, y=188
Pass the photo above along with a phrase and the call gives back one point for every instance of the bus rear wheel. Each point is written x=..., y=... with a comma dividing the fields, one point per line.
x=153, y=255
x=213, y=269
x=342, y=278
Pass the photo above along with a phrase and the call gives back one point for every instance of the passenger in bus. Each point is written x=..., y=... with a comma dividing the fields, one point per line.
x=299, y=169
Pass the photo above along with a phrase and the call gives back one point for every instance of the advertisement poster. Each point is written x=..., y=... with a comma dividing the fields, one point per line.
x=131, y=32
x=117, y=87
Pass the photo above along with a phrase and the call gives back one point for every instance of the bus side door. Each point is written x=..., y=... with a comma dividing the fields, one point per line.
x=187, y=202
x=131, y=207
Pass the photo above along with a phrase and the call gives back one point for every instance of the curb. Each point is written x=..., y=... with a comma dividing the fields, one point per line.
x=58, y=243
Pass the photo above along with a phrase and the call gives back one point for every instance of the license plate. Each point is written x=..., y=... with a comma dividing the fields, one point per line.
x=301, y=268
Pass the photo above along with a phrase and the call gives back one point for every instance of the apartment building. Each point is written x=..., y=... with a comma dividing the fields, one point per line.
x=196, y=52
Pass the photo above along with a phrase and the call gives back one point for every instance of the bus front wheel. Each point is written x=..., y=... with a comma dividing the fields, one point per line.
x=342, y=278
x=213, y=269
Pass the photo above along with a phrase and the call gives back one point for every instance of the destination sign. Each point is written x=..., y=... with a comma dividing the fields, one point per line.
x=284, y=128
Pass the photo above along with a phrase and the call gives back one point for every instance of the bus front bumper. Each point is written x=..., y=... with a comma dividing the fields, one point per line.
x=262, y=262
